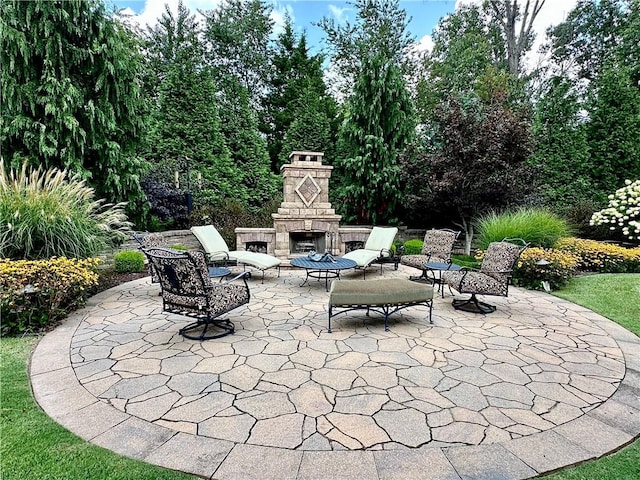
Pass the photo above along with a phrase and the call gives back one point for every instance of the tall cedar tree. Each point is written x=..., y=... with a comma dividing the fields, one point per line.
x=379, y=125
x=296, y=79
x=380, y=26
x=561, y=157
x=248, y=148
x=237, y=33
x=71, y=95
x=311, y=128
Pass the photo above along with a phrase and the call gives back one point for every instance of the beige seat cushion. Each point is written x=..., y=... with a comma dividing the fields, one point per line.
x=378, y=292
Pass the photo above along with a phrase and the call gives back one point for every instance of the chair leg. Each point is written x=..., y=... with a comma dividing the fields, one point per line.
x=473, y=305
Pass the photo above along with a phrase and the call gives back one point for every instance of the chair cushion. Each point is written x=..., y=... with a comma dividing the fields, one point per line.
x=415, y=261
x=378, y=292
x=439, y=244
x=500, y=257
x=475, y=282
x=261, y=261
x=210, y=239
x=362, y=257
x=381, y=238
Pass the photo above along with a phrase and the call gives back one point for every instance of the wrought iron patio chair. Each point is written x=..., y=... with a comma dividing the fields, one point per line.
x=493, y=277
x=435, y=255
x=188, y=290
x=148, y=240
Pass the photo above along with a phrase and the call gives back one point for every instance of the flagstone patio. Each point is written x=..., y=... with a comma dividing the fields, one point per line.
x=538, y=385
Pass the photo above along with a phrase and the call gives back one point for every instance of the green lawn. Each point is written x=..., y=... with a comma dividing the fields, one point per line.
x=35, y=447
x=616, y=296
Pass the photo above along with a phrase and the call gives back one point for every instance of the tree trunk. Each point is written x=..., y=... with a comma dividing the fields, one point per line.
x=467, y=228
x=517, y=41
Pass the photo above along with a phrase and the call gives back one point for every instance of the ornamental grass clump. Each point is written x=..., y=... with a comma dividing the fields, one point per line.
x=47, y=214
x=623, y=211
x=539, y=227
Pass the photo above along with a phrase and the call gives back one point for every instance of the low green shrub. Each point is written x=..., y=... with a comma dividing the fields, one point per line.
x=413, y=247
x=128, y=261
x=561, y=267
x=48, y=214
x=539, y=227
x=180, y=248
x=34, y=293
x=465, y=261
x=601, y=257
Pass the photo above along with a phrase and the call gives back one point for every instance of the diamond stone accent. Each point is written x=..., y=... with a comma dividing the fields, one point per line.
x=308, y=190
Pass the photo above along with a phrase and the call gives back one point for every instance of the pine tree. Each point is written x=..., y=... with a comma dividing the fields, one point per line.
x=296, y=78
x=185, y=136
x=71, y=95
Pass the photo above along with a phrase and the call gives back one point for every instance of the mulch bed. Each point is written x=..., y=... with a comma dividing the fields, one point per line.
x=110, y=278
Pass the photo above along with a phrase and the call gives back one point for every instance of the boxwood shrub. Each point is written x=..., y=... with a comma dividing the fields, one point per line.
x=128, y=261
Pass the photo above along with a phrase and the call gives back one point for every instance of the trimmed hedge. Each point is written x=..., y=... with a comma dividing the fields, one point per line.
x=34, y=293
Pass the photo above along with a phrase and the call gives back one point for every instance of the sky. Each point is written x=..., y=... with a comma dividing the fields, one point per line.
x=425, y=15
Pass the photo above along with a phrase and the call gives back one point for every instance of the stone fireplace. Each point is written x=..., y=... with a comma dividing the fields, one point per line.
x=305, y=220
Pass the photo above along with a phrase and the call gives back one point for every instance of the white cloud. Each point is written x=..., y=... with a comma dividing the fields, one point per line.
x=337, y=12
x=425, y=44
x=153, y=10
x=278, y=16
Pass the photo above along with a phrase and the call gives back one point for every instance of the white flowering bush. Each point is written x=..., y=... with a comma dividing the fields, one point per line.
x=623, y=211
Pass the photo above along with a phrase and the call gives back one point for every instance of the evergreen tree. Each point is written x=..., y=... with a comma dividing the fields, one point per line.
x=237, y=36
x=71, y=95
x=295, y=77
x=310, y=130
x=614, y=129
x=379, y=125
x=248, y=148
x=561, y=157
x=185, y=136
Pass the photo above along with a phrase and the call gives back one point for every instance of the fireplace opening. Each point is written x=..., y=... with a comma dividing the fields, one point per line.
x=304, y=242
x=258, y=247
x=351, y=246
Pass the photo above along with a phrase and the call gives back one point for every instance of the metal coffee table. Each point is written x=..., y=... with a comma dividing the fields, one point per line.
x=324, y=270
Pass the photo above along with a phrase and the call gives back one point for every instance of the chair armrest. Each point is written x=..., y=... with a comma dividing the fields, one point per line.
x=222, y=256
x=242, y=275
x=385, y=251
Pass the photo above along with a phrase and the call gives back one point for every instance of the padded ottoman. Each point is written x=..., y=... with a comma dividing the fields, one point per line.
x=382, y=296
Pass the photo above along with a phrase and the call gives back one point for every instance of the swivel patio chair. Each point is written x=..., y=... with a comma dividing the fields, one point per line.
x=149, y=240
x=435, y=255
x=217, y=251
x=493, y=277
x=188, y=290
x=376, y=249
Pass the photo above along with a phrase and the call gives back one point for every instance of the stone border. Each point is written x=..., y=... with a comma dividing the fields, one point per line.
x=58, y=392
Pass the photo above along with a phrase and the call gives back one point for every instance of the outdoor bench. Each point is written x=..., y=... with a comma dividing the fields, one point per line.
x=381, y=296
